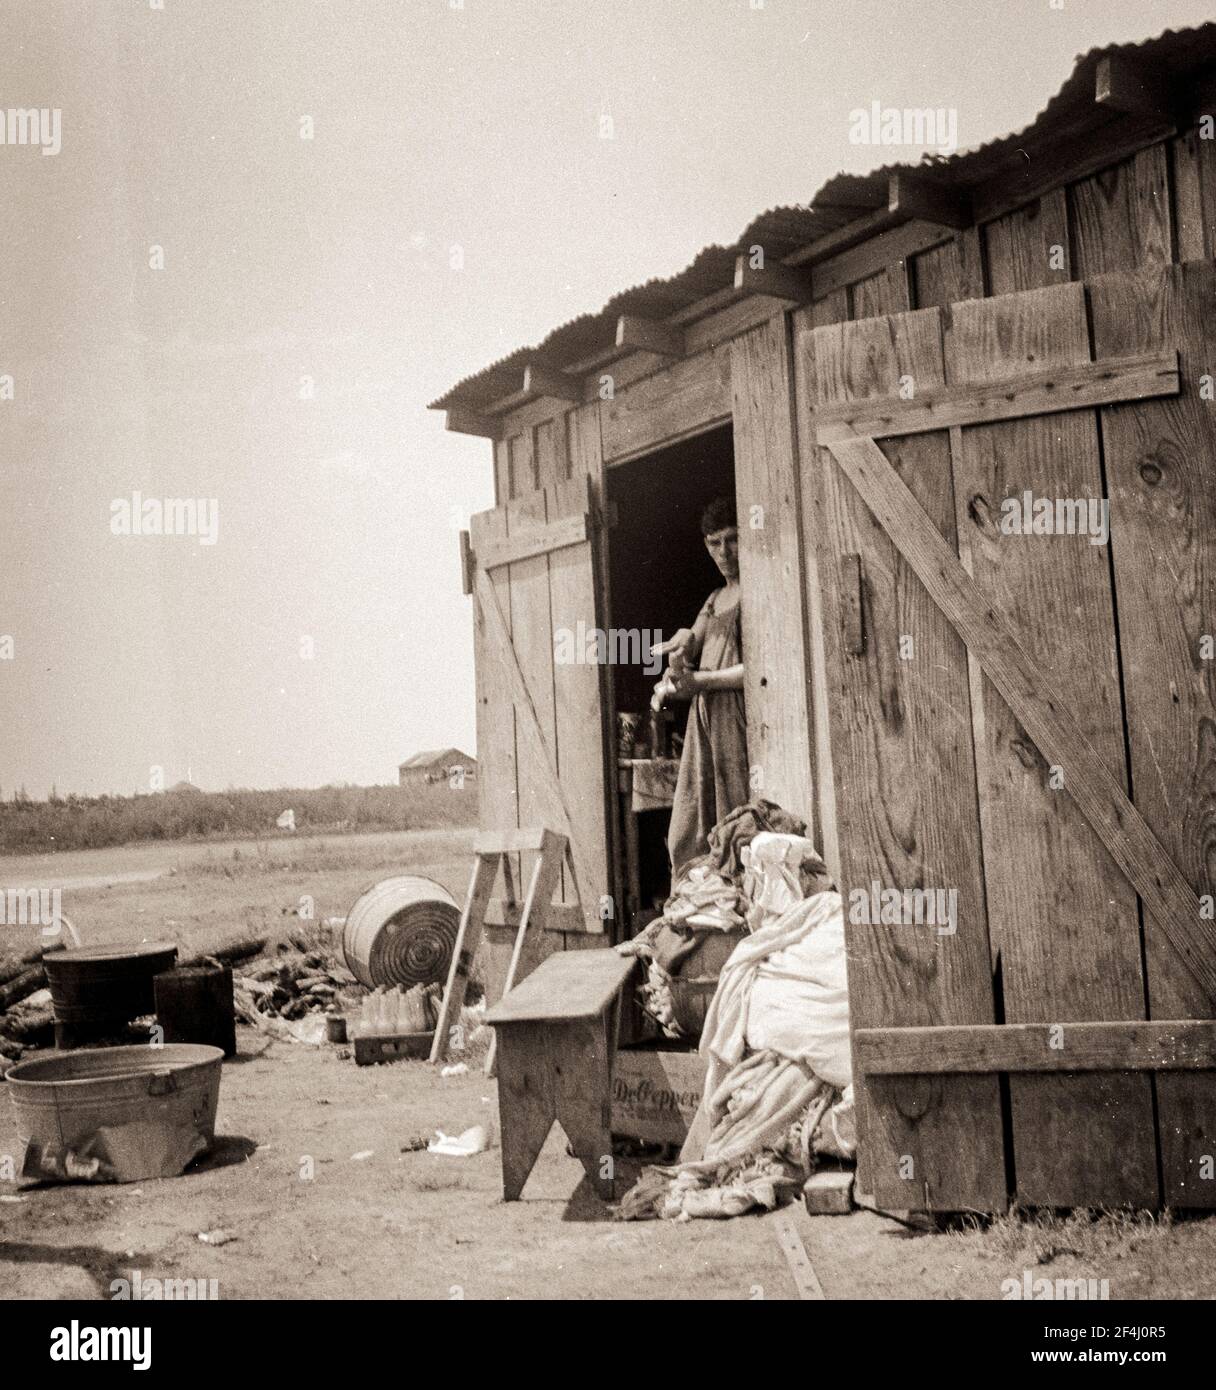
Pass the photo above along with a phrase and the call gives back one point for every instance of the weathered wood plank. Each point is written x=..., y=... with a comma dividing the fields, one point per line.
x=1121, y=217
x=905, y=783
x=1076, y=1141
x=947, y=273
x=1194, y=184
x=577, y=984
x=1163, y=518
x=582, y=690
x=544, y=784
x=530, y=541
x=690, y=396
x=870, y=258
x=815, y=522
x=770, y=566
x=1027, y=249
x=1181, y=1045
x=888, y=292
x=1044, y=391
x=1044, y=715
x=497, y=793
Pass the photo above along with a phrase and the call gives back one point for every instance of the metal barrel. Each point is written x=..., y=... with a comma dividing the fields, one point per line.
x=401, y=931
x=97, y=985
x=194, y=1005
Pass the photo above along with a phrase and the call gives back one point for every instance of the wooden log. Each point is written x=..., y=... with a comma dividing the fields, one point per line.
x=14, y=963
x=227, y=950
x=25, y=1023
x=25, y=984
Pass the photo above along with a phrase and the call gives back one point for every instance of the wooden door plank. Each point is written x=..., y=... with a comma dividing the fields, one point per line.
x=583, y=690
x=532, y=641
x=538, y=749
x=905, y=783
x=1013, y=395
x=1077, y=1140
x=1168, y=1045
x=1159, y=461
x=770, y=565
x=497, y=793
x=1044, y=715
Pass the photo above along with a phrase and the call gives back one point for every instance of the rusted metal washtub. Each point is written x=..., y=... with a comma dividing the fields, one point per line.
x=115, y=1114
x=401, y=931
x=95, y=987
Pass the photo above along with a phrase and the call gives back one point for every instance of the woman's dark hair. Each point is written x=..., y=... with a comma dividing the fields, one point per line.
x=718, y=515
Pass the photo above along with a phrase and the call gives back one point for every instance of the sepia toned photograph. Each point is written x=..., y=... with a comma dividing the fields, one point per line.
x=607, y=666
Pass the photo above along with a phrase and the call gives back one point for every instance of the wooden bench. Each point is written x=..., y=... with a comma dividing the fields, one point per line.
x=556, y=1038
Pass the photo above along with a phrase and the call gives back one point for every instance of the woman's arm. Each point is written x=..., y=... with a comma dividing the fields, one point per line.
x=728, y=678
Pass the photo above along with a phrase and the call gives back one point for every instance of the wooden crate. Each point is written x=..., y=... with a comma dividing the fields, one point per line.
x=655, y=1094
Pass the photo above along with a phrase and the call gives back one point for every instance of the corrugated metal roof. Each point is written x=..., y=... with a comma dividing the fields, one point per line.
x=845, y=198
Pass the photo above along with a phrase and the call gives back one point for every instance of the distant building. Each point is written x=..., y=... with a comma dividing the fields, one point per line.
x=184, y=787
x=436, y=765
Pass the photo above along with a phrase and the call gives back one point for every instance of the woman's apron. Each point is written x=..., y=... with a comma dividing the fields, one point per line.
x=713, y=776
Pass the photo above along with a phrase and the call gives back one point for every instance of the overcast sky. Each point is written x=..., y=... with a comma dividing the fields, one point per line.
x=440, y=134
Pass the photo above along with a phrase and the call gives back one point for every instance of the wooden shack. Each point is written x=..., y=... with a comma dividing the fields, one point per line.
x=1023, y=716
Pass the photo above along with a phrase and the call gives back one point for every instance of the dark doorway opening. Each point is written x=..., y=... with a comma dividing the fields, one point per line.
x=659, y=575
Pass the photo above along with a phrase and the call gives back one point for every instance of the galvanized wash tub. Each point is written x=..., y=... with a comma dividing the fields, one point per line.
x=115, y=1114
x=401, y=931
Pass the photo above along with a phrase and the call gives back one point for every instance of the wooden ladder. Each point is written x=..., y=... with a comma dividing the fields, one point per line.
x=489, y=851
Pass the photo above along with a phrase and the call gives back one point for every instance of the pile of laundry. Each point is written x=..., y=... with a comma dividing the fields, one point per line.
x=778, y=1089
x=706, y=914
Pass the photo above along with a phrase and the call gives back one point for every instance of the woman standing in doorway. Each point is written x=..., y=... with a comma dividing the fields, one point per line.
x=706, y=667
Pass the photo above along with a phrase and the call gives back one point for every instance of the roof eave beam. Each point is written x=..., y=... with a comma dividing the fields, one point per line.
x=1124, y=84
x=544, y=381
x=635, y=334
x=912, y=195
x=461, y=421
x=774, y=281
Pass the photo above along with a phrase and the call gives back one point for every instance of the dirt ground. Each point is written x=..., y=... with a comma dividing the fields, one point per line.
x=416, y=1225
x=312, y=1220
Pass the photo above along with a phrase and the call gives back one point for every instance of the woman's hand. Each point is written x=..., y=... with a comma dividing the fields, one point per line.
x=677, y=647
x=685, y=684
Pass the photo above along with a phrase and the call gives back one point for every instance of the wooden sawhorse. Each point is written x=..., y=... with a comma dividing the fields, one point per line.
x=556, y=1040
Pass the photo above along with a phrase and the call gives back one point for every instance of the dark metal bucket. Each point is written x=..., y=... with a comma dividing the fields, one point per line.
x=95, y=986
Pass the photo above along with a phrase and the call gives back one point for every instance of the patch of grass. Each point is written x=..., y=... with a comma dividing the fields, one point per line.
x=438, y=1180
x=1038, y=1236
x=81, y=822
